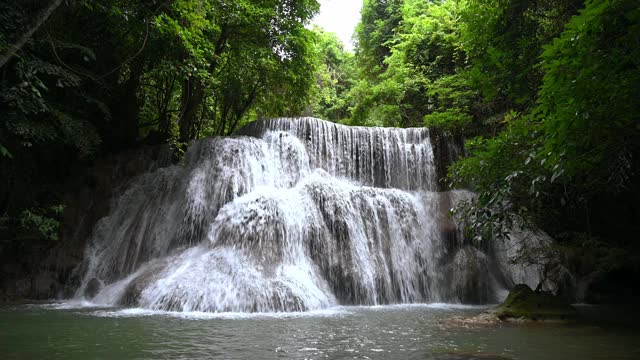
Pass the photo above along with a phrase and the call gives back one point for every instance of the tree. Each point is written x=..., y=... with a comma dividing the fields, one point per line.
x=215, y=38
x=374, y=34
x=96, y=77
x=40, y=19
x=504, y=41
x=423, y=77
x=334, y=76
x=568, y=163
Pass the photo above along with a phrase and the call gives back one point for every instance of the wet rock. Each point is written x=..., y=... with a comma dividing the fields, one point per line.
x=487, y=318
x=40, y=268
x=92, y=289
x=133, y=292
x=524, y=304
x=471, y=280
x=20, y=288
x=44, y=285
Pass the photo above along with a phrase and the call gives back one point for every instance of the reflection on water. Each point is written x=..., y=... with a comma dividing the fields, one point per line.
x=390, y=332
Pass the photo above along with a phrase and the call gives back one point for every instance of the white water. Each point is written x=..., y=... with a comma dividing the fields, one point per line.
x=305, y=216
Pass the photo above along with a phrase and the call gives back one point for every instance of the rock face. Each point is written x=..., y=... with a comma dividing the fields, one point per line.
x=469, y=266
x=42, y=269
x=526, y=304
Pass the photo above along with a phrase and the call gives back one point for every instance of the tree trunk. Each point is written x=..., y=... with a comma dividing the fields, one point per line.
x=41, y=18
x=192, y=96
x=125, y=106
x=193, y=92
x=244, y=107
x=164, y=121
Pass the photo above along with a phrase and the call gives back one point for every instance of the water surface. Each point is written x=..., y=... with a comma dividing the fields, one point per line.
x=390, y=332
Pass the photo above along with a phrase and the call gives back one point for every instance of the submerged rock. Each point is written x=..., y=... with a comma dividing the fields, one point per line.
x=486, y=318
x=526, y=304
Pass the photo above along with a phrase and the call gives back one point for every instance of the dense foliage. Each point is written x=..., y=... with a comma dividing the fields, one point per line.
x=567, y=160
x=86, y=78
x=334, y=77
x=546, y=92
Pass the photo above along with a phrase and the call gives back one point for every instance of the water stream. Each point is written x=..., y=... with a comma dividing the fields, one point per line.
x=295, y=215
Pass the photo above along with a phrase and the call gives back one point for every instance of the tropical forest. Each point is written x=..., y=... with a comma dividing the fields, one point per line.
x=320, y=179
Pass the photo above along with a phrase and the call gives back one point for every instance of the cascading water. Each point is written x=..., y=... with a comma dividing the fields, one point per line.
x=301, y=214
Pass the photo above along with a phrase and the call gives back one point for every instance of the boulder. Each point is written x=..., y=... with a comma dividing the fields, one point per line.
x=92, y=289
x=471, y=280
x=526, y=304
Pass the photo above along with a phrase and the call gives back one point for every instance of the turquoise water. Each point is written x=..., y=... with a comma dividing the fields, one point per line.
x=60, y=331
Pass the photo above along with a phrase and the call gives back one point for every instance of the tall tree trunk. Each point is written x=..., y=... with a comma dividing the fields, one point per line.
x=193, y=92
x=239, y=113
x=164, y=121
x=40, y=19
x=192, y=96
x=125, y=106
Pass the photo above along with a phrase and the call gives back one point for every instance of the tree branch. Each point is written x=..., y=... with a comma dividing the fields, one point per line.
x=40, y=19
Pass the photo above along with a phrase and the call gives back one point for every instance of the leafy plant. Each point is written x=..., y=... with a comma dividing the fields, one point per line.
x=44, y=221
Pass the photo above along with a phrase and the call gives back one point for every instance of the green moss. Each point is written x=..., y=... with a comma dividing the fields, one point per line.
x=524, y=303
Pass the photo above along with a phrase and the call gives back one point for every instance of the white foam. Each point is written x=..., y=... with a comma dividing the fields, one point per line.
x=197, y=315
x=337, y=311
x=66, y=305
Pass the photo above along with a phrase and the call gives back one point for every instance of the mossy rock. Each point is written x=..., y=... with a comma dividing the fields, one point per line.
x=526, y=304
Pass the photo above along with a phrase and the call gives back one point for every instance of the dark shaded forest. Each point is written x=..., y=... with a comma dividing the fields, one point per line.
x=545, y=92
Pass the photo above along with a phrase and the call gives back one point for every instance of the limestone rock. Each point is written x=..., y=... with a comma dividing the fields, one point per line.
x=526, y=304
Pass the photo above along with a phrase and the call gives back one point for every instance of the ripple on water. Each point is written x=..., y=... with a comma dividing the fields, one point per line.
x=44, y=331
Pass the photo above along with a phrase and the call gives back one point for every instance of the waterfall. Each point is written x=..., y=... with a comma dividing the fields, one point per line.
x=293, y=215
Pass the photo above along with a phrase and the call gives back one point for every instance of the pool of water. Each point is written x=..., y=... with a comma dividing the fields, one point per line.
x=72, y=331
